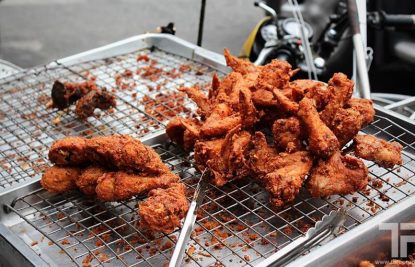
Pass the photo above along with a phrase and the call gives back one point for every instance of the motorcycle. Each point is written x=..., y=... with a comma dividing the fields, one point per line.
x=319, y=44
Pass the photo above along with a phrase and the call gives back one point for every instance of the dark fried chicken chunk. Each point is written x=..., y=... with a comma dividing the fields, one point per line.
x=118, y=151
x=341, y=90
x=337, y=175
x=65, y=94
x=120, y=185
x=163, y=209
x=88, y=179
x=385, y=154
x=87, y=104
x=60, y=179
x=321, y=140
x=287, y=134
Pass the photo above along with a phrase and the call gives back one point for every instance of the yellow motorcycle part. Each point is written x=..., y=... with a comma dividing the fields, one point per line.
x=249, y=42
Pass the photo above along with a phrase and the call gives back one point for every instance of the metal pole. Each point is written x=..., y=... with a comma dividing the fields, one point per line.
x=201, y=21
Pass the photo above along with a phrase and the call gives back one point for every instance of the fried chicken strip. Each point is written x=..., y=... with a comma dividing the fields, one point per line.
x=164, y=208
x=60, y=179
x=88, y=179
x=321, y=140
x=118, y=151
x=385, y=154
x=337, y=175
x=120, y=185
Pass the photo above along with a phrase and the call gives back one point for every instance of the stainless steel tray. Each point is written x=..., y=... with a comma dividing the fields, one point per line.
x=236, y=227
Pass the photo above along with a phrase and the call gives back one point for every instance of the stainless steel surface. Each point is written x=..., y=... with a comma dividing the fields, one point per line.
x=189, y=221
x=329, y=225
x=236, y=224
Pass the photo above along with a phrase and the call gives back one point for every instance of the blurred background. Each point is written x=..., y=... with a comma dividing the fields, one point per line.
x=34, y=32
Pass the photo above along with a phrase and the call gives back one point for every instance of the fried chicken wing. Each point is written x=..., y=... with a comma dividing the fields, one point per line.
x=60, y=179
x=321, y=140
x=346, y=124
x=87, y=104
x=220, y=122
x=284, y=184
x=87, y=181
x=287, y=134
x=239, y=65
x=364, y=107
x=163, y=209
x=284, y=103
x=337, y=175
x=385, y=154
x=341, y=90
x=120, y=185
x=199, y=98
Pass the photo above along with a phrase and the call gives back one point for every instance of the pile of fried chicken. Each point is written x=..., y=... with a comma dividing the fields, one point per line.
x=87, y=96
x=115, y=168
x=311, y=122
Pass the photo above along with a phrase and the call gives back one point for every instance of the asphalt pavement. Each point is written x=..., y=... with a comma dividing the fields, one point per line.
x=34, y=32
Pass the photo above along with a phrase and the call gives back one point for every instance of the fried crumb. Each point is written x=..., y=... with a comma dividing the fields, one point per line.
x=34, y=243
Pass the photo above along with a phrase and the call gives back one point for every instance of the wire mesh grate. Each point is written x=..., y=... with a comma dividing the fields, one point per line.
x=236, y=224
x=145, y=103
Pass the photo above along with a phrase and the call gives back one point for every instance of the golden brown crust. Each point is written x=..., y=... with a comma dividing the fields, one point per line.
x=116, y=186
x=69, y=151
x=337, y=175
x=287, y=134
x=385, y=154
x=60, y=179
x=163, y=209
x=87, y=181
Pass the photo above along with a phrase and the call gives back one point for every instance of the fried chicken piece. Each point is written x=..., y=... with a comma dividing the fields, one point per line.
x=284, y=103
x=341, y=90
x=60, y=179
x=65, y=94
x=274, y=75
x=385, y=154
x=318, y=91
x=120, y=185
x=184, y=132
x=117, y=151
x=321, y=140
x=164, y=208
x=283, y=184
x=69, y=151
x=239, y=65
x=264, y=98
x=346, y=124
x=201, y=100
x=214, y=88
x=287, y=134
x=365, y=109
x=87, y=104
x=224, y=157
x=88, y=179
x=263, y=158
x=221, y=120
x=337, y=175
x=248, y=111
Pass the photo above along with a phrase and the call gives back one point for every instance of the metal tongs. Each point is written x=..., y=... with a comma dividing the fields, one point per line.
x=329, y=225
x=189, y=221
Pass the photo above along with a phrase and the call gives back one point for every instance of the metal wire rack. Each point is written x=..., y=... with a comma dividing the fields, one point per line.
x=236, y=224
x=145, y=102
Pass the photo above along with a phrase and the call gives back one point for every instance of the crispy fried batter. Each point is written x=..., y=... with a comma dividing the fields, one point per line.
x=198, y=97
x=65, y=94
x=318, y=91
x=287, y=134
x=119, y=151
x=364, y=107
x=341, y=89
x=87, y=181
x=248, y=111
x=60, y=179
x=220, y=122
x=184, y=132
x=239, y=65
x=284, y=103
x=337, y=175
x=120, y=185
x=385, y=154
x=346, y=124
x=321, y=140
x=274, y=75
x=163, y=209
